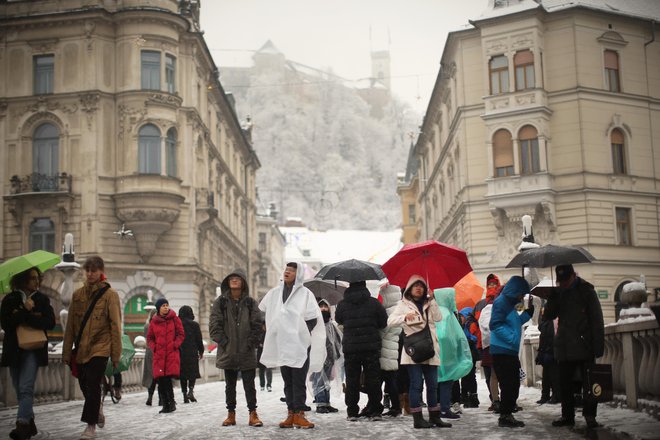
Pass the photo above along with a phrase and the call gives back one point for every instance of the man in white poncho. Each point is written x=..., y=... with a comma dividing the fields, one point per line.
x=295, y=340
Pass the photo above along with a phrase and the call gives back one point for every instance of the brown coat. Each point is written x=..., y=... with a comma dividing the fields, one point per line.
x=102, y=333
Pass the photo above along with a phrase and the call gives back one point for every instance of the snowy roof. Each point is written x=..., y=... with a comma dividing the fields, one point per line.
x=269, y=48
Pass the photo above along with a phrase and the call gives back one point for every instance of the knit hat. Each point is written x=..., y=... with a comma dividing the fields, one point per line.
x=564, y=272
x=160, y=303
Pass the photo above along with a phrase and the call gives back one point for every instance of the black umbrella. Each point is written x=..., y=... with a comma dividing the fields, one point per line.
x=551, y=255
x=326, y=289
x=351, y=271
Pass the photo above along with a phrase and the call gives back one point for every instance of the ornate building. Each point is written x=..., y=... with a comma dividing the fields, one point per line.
x=112, y=117
x=552, y=109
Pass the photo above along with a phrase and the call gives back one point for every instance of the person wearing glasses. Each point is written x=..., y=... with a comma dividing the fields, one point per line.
x=25, y=305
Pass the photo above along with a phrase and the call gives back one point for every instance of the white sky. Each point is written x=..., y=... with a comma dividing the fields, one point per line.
x=336, y=34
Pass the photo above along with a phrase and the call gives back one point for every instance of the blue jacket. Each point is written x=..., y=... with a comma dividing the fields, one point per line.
x=505, y=322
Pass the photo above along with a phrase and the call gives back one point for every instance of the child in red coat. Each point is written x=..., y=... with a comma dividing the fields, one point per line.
x=164, y=337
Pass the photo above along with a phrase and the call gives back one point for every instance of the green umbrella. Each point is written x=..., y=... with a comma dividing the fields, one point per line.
x=40, y=259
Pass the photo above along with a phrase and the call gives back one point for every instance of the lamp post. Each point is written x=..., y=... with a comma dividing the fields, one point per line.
x=68, y=267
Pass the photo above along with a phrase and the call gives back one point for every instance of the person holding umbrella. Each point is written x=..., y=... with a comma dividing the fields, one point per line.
x=414, y=312
x=25, y=305
x=579, y=340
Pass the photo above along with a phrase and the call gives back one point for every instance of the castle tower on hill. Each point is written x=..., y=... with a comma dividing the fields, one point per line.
x=380, y=67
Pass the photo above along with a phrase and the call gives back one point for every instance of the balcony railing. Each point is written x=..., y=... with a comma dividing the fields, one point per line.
x=37, y=182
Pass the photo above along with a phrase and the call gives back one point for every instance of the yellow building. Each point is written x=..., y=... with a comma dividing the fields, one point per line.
x=111, y=116
x=551, y=109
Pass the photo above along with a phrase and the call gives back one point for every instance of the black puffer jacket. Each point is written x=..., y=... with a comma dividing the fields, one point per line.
x=362, y=317
x=581, y=331
x=192, y=347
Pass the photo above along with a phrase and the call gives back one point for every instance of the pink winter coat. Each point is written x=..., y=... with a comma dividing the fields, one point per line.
x=164, y=337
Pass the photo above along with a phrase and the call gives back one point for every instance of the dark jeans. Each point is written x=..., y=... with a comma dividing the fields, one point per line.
x=487, y=371
x=469, y=382
x=90, y=378
x=550, y=381
x=444, y=395
x=295, y=390
x=391, y=380
x=187, y=384
x=265, y=377
x=419, y=375
x=368, y=365
x=567, y=373
x=507, y=369
x=247, y=377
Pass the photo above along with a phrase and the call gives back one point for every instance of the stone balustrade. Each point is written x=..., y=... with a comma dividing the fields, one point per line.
x=55, y=383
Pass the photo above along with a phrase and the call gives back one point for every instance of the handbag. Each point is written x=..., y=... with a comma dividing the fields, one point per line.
x=598, y=383
x=30, y=338
x=419, y=346
x=73, y=363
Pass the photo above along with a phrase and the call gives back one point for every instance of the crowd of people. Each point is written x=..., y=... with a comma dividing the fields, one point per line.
x=365, y=346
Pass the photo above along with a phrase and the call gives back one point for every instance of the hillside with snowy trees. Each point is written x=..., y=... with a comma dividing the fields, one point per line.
x=324, y=157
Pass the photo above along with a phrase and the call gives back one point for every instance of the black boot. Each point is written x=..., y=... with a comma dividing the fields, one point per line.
x=191, y=396
x=419, y=422
x=185, y=398
x=474, y=400
x=21, y=432
x=508, y=421
x=434, y=417
x=386, y=401
x=150, y=398
x=184, y=390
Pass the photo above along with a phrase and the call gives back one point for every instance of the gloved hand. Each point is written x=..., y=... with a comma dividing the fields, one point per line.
x=530, y=309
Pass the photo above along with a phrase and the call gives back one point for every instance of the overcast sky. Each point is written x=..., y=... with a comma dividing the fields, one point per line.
x=340, y=34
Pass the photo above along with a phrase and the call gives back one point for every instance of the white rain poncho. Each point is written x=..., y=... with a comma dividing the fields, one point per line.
x=287, y=335
x=334, y=362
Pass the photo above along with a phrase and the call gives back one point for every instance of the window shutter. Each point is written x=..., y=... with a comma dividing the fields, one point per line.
x=523, y=57
x=527, y=132
x=502, y=149
x=616, y=137
x=611, y=60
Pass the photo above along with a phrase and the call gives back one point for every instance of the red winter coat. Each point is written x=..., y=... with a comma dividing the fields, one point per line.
x=164, y=337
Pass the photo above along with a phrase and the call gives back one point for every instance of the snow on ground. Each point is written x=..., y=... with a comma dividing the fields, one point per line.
x=131, y=419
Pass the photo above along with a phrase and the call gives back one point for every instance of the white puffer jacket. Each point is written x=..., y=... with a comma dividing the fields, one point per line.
x=389, y=353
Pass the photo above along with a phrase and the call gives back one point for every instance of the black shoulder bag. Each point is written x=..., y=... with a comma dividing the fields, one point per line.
x=419, y=346
x=73, y=364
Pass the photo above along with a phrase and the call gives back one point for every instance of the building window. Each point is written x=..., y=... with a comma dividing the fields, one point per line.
x=170, y=73
x=503, y=153
x=524, y=62
x=412, y=217
x=499, y=75
x=44, y=69
x=170, y=152
x=42, y=235
x=263, y=277
x=149, y=150
x=623, y=230
x=618, y=152
x=150, y=70
x=529, y=150
x=262, y=242
x=612, y=71
x=45, y=150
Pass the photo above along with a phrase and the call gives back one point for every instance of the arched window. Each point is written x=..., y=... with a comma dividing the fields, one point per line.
x=499, y=75
x=149, y=150
x=45, y=150
x=529, y=150
x=170, y=152
x=524, y=62
x=618, y=152
x=42, y=235
x=503, y=153
x=612, y=71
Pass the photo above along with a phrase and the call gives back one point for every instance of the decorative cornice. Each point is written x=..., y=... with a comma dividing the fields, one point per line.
x=43, y=45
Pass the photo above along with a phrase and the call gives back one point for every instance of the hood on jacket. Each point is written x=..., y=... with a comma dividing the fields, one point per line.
x=357, y=293
x=412, y=280
x=515, y=287
x=446, y=297
x=465, y=311
x=300, y=274
x=224, y=287
x=320, y=301
x=492, y=292
x=390, y=295
x=186, y=312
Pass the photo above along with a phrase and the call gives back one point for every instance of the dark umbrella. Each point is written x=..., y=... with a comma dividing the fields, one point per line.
x=351, y=271
x=551, y=255
x=326, y=289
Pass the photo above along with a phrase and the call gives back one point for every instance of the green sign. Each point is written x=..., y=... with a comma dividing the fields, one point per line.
x=603, y=294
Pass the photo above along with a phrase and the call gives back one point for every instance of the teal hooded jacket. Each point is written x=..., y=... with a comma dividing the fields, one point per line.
x=455, y=356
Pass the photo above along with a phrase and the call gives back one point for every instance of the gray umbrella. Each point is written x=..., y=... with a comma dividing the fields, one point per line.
x=351, y=271
x=551, y=255
x=326, y=289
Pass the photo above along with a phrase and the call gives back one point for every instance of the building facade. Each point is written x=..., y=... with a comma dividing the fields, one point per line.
x=112, y=118
x=550, y=109
x=269, y=261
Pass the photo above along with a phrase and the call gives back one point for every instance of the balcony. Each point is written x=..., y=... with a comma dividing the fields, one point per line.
x=519, y=102
x=41, y=183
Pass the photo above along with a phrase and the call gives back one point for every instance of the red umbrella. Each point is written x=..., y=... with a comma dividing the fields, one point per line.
x=440, y=264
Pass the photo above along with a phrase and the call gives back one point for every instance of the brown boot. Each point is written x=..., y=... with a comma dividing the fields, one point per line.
x=299, y=421
x=288, y=423
x=231, y=419
x=254, y=419
x=405, y=403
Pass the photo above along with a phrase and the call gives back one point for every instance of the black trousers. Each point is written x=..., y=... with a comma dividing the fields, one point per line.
x=90, y=380
x=391, y=380
x=550, y=384
x=487, y=372
x=247, y=377
x=265, y=376
x=187, y=383
x=165, y=389
x=567, y=374
x=367, y=364
x=469, y=382
x=295, y=391
x=507, y=369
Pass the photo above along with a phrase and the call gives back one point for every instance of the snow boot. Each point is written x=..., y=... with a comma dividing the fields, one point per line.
x=254, y=419
x=434, y=417
x=150, y=398
x=508, y=421
x=300, y=421
x=231, y=419
x=418, y=419
x=288, y=422
x=21, y=432
x=191, y=396
x=33, y=428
